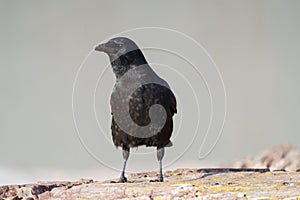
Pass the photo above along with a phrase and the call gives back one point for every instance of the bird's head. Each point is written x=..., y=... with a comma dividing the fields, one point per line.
x=117, y=47
x=124, y=54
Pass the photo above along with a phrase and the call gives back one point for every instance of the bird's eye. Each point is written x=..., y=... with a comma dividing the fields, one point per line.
x=118, y=43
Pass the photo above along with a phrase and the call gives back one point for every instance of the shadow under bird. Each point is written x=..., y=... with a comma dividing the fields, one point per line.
x=142, y=103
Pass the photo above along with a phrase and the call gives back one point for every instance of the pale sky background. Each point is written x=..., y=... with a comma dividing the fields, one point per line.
x=255, y=45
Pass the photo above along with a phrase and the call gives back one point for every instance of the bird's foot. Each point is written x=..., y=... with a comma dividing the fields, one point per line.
x=123, y=179
x=160, y=179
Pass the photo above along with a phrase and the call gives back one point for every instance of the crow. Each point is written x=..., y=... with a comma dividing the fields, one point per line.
x=142, y=103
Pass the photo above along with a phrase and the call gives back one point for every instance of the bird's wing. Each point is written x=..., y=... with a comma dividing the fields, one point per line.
x=173, y=103
x=150, y=94
x=161, y=92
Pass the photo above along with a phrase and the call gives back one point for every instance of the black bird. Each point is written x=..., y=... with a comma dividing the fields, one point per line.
x=136, y=118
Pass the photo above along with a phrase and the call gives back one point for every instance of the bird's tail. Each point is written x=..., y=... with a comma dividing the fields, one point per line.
x=169, y=144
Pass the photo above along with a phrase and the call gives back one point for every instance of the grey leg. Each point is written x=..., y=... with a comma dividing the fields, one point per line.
x=160, y=155
x=125, y=152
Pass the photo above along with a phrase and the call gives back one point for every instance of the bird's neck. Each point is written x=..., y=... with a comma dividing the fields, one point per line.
x=126, y=62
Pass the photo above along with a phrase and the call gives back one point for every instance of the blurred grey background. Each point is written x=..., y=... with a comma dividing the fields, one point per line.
x=255, y=44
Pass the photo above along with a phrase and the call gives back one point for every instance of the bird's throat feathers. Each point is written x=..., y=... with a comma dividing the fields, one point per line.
x=121, y=64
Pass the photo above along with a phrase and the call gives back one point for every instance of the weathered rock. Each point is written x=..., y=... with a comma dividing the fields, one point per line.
x=281, y=157
x=36, y=191
x=180, y=184
x=243, y=182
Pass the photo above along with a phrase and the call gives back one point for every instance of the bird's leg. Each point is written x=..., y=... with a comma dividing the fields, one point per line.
x=160, y=155
x=125, y=153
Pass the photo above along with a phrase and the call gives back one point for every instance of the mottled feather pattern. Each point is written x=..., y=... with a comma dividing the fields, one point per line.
x=139, y=104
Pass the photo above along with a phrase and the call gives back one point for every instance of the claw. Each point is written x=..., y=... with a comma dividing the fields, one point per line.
x=161, y=179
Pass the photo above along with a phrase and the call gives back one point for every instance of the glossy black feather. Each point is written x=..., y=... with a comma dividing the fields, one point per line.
x=124, y=56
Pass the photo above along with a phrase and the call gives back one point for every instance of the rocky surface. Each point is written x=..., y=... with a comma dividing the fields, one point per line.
x=281, y=157
x=277, y=181
x=180, y=184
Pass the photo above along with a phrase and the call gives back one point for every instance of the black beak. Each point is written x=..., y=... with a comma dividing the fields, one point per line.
x=101, y=47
